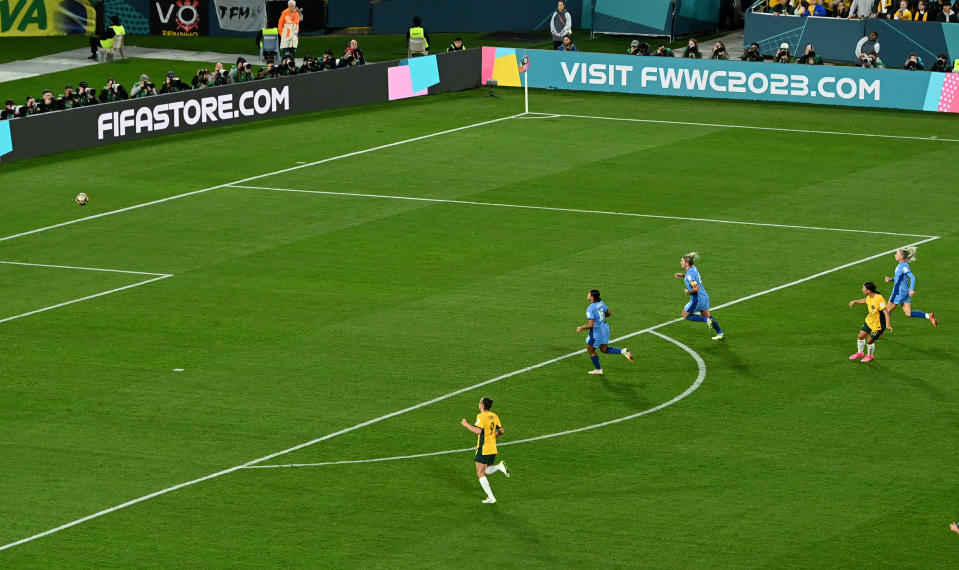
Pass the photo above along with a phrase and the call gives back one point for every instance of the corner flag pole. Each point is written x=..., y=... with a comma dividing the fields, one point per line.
x=525, y=69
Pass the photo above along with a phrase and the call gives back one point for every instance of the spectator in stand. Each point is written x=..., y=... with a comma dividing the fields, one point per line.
x=868, y=44
x=810, y=57
x=457, y=45
x=143, y=88
x=560, y=24
x=719, y=51
x=289, y=28
x=567, y=45
x=779, y=6
x=783, y=55
x=947, y=14
x=803, y=9
x=817, y=9
x=922, y=13
x=352, y=56
x=663, y=51
x=9, y=110
x=886, y=9
x=417, y=31
x=752, y=53
x=903, y=13
x=913, y=63
x=840, y=9
x=692, y=50
x=861, y=9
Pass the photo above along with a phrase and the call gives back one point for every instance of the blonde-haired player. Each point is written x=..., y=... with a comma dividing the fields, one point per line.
x=902, y=294
x=876, y=322
x=487, y=428
x=698, y=298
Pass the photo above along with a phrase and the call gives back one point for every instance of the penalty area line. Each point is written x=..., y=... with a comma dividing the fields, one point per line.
x=421, y=405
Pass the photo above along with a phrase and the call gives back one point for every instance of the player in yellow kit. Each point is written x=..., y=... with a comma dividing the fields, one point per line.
x=877, y=321
x=487, y=428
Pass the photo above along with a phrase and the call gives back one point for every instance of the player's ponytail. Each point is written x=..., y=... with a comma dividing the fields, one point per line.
x=870, y=286
x=487, y=404
x=908, y=253
x=691, y=257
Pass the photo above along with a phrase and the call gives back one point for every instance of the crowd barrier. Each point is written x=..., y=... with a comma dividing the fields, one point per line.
x=133, y=119
x=835, y=39
x=655, y=17
x=717, y=79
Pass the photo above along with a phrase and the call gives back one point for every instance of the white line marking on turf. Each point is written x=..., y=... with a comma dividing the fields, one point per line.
x=571, y=210
x=751, y=127
x=538, y=116
x=87, y=298
x=417, y=406
x=700, y=363
x=257, y=177
x=85, y=268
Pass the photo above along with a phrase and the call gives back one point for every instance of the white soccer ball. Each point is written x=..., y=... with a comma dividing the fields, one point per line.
x=82, y=199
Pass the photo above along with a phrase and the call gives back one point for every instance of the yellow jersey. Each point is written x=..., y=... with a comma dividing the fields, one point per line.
x=486, y=440
x=876, y=304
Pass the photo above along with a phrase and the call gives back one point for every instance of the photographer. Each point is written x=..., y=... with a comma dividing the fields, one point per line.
x=692, y=50
x=173, y=84
x=719, y=51
x=288, y=67
x=30, y=108
x=86, y=95
x=941, y=64
x=329, y=61
x=47, y=102
x=113, y=91
x=752, y=53
x=913, y=63
x=663, y=51
x=269, y=72
x=870, y=60
x=638, y=48
x=201, y=80
x=143, y=88
x=783, y=55
x=810, y=57
x=9, y=110
x=353, y=55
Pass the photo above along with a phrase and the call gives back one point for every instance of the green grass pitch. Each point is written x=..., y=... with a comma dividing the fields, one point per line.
x=290, y=316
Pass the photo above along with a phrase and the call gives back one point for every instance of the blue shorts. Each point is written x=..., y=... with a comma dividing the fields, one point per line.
x=697, y=303
x=904, y=298
x=596, y=340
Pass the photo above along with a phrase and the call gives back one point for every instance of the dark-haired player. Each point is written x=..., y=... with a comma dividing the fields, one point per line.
x=875, y=325
x=487, y=428
x=598, y=327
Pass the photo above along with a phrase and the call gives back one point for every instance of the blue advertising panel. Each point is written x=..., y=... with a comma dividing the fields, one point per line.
x=791, y=83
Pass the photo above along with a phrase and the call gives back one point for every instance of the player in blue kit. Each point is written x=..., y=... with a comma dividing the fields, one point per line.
x=902, y=293
x=597, y=312
x=698, y=298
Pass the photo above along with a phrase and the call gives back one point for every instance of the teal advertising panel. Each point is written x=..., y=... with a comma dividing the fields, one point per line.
x=791, y=83
x=647, y=18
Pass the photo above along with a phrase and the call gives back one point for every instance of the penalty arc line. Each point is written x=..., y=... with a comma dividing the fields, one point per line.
x=257, y=177
x=572, y=210
x=701, y=376
x=414, y=407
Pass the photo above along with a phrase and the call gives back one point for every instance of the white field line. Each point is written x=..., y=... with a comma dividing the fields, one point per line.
x=414, y=407
x=751, y=127
x=700, y=363
x=573, y=210
x=257, y=177
x=85, y=268
x=87, y=298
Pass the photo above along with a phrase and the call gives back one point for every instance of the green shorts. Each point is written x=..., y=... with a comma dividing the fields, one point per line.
x=874, y=335
x=485, y=459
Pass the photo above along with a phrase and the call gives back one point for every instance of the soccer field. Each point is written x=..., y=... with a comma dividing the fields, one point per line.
x=254, y=346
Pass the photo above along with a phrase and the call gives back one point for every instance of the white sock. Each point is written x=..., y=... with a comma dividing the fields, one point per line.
x=928, y=317
x=492, y=469
x=861, y=344
x=484, y=483
x=871, y=349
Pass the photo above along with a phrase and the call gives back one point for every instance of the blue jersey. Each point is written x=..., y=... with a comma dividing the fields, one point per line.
x=698, y=301
x=597, y=313
x=900, y=287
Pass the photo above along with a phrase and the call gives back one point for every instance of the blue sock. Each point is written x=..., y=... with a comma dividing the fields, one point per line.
x=595, y=360
x=918, y=314
x=697, y=318
x=716, y=326
x=613, y=350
